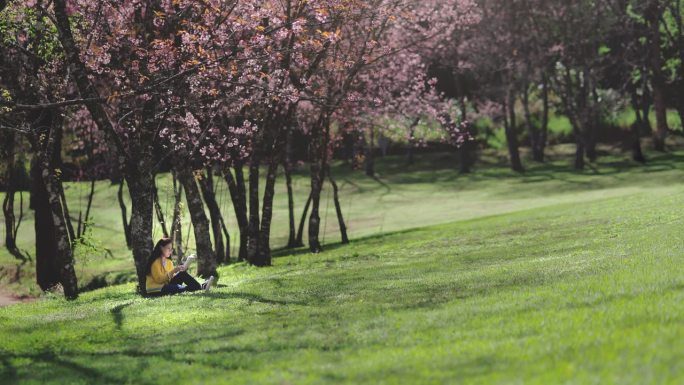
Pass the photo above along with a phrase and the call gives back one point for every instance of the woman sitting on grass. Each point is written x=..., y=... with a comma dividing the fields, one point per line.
x=163, y=278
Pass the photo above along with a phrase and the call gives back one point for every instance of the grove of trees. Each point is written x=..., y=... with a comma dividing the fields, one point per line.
x=223, y=91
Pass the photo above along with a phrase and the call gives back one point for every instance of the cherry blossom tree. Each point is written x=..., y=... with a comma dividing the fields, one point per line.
x=367, y=41
x=131, y=63
x=32, y=72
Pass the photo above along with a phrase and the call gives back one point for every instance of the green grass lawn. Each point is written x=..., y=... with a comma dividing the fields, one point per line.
x=550, y=277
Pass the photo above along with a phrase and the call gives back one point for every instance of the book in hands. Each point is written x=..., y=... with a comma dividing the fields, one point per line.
x=191, y=258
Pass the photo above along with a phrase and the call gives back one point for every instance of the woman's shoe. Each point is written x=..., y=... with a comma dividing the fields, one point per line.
x=207, y=284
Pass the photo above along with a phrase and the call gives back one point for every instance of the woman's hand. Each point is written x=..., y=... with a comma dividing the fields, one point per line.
x=182, y=268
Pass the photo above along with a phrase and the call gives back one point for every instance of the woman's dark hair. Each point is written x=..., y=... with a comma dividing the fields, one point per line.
x=156, y=253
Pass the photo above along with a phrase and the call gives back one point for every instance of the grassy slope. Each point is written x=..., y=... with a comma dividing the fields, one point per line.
x=587, y=289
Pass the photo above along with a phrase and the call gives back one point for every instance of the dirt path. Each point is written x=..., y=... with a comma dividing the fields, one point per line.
x=9, y=299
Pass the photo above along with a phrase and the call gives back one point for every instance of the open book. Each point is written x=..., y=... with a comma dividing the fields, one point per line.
x=191, y=258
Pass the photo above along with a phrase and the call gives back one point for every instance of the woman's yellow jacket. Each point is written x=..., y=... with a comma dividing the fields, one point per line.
x=159, y=275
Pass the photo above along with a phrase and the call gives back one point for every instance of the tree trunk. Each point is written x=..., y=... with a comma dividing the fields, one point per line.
x=299, y=242
x=142, y=216
x=292, y=238
x=253, y=223
x=579, y=141
x=264, y=254
x=207, y=188
x=579, y=150
x=176, y=225
x=545, y=120
x=206, y=259
x=370, y=159
x=465, y=151
x=646, y=108
x=158, y=210
x=236, y=186
x=535, y=134
x=83, y=226
x=653, y=15
x=53, y=186
x=314, y=218
x=318, y=162
x=137, y=157
x=11, y=224
x=140, y=178
x=661, y=117
x=577, y=115
x=592, y=126
x=511, y=133
x=65, y=208
x=124, y=216
x=47, y=272
x=227, y=260
x=65, y=257
x=637, y=128
x=338, y=209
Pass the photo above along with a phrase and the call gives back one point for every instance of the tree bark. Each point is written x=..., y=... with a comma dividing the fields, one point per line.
x=11, y=224
x=65, y=208
x=636, y=129
x=511, y=133
x=646, y=101
x=545, y=120
x=299, y=242
x=592, y=126
x=318, y=164
x=314, y=218
x=158, y=210
x=206, y=259
x=53, y=186
x=47, y=272
x=83, y=226
x=253, y=223
x=176, y=225
x=370, y=159
x=338, y=209
x=653, y=15
x=661, y=116
x=236, y=186
x=142, y=208
x=535, y=135
x=576, y=115
x=209, y=195
x=531, y=128
x=124, y=215
x=292, y=238
x=264, y=253
x=465, y=151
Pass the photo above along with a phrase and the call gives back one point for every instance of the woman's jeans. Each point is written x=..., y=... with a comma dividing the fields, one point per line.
x=180, y=283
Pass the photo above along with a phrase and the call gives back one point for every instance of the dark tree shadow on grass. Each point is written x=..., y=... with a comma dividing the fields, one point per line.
x=50, y=358
x=253, y=298
x=48, y=361
x=8, y=375
x=304, y=251
x=117, y=315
